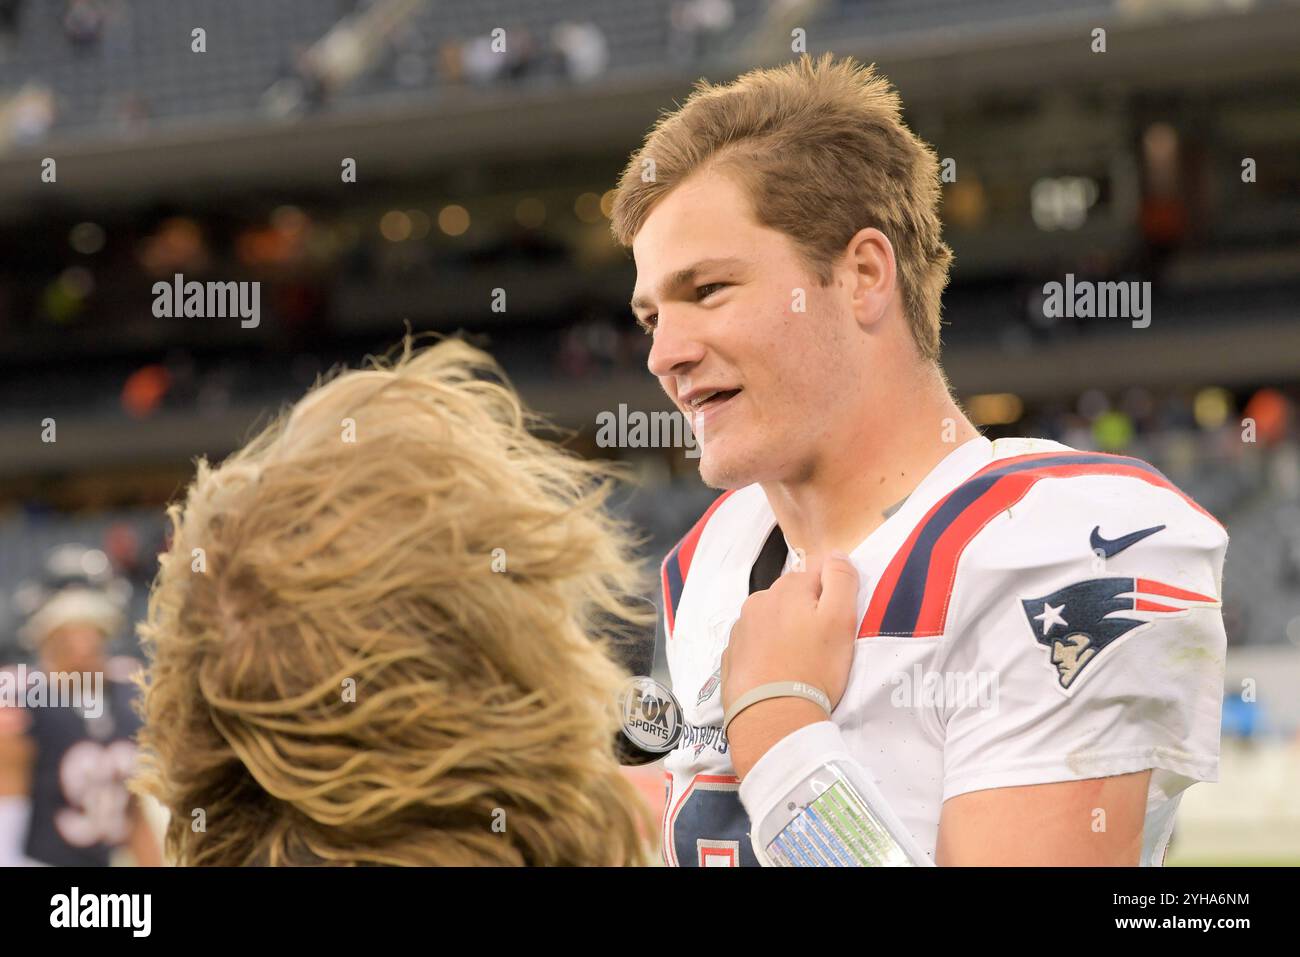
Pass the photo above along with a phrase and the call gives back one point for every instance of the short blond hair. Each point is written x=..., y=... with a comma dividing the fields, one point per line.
x=482, y=725
x=821, y=149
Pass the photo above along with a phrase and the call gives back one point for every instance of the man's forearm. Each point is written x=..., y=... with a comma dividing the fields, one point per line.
x=756, y=729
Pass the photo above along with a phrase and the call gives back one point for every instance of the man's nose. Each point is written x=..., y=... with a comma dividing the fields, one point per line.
x=675, y=349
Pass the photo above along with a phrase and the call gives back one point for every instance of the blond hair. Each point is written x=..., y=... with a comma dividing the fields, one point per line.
x=821, y=149
x=482, y=721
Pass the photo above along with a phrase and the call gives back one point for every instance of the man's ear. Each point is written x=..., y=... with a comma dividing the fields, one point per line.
x=872, y=271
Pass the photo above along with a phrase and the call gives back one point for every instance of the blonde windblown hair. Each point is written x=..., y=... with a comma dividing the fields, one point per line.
x=375, y=637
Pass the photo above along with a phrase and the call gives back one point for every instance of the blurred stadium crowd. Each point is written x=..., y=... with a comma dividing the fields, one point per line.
x=484, y=162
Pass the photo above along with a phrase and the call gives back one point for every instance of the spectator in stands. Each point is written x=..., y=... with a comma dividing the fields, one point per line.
x=524, y=56
x=1163, y=215
x=83, y=20
x=698, y=27
x=28, y=116
x=479, y=62
x=583, y=48
x=10, y=13
x=451, y=63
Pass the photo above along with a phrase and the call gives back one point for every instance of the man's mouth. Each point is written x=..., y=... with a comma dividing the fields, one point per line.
x=709, y=400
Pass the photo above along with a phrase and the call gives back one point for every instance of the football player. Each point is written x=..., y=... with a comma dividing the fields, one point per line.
x=984, y=652
x=64, y=764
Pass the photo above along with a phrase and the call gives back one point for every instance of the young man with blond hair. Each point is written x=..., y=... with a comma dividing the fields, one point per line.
x=979, y=652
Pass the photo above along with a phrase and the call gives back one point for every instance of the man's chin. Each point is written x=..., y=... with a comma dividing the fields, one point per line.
x=724, y=472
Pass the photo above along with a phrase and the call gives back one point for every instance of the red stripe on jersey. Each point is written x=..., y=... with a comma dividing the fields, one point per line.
x=670, y=812
x=1149, y=587
x=1118, y=467
x=682, y=554
x=952, y=541
x=1003, y=494
x=688, y=544
x=947, y=552
x=1142, y=604
x=875, y=614
x=668, y=601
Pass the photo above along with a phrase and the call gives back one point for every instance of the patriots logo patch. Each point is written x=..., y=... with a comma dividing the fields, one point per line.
x=710, y=686
x=1078, y=622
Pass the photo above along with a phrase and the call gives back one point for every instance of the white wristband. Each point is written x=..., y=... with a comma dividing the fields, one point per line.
x=776, y=689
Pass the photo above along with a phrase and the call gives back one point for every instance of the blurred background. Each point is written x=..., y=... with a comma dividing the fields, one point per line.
x=1171, y=157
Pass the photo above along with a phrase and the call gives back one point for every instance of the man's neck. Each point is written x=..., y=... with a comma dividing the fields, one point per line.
x=851, y=491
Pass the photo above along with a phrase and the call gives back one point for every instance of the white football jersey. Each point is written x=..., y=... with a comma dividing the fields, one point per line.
x=1030, y=614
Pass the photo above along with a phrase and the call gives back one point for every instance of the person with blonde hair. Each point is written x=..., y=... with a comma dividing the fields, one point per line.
x=377, y=637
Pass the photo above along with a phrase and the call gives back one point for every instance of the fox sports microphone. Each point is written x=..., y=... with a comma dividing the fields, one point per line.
x=651, y=717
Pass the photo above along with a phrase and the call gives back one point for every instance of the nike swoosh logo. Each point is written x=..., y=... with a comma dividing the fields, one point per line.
x=1110, y=547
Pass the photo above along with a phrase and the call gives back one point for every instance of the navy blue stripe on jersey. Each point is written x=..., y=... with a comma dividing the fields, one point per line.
x=677, y=566
x=905, y=603
x=904, y=608
x=674, y=581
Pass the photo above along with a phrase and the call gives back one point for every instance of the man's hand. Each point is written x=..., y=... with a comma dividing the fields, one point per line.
x=800, y=629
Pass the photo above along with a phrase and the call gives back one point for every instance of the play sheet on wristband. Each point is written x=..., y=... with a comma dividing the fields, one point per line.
x=836, y=829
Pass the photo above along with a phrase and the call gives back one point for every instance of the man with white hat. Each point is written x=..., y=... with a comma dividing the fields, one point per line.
x=67, y=725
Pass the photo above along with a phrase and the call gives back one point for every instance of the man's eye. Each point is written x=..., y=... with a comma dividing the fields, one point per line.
x=701, y=292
